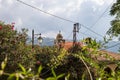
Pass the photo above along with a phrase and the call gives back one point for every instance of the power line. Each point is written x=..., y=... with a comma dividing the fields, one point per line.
x=101, y=15
x=57, y=16
x=112, y=46
x=86, y=34
x=92, y=31
x=69, y=36
x=45, y=12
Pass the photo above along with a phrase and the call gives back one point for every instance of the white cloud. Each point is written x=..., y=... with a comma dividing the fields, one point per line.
x=99, y=2
x=10, y=2
x=94, y=8
x=18, y=22
x=50, y=34
x=68, y=8
x=83, y=11
x=0, y=5
x=33, y=2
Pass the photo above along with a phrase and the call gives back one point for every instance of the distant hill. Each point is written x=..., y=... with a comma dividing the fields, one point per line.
x=46, y=41
x=50, y=42
x=113, y=47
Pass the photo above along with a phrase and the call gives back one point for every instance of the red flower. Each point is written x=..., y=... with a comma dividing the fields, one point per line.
x=38, y=62
x=12, y=28
x=13, y=25
x=0, y=27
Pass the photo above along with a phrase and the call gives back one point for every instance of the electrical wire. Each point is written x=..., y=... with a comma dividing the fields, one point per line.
x=58, y=17
x=69, y=36
x=68, y=21
x=93, y=31
x=45, y=12
x=86, y=34
x=112, y=46
x=102, y=15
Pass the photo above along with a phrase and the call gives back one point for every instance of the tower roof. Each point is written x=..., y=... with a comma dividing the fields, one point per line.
x=59, y=35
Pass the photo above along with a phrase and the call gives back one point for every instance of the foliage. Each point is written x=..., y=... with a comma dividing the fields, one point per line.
x=25, y=74
x=55, y=77
x=115, y=11
x=13, y=45
x=25, y=63
x=71, y=64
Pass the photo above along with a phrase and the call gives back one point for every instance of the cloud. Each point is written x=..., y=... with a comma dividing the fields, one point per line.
x=50, y=34
x=6, y=2
x=19, y=22
x=10, y=2
x=99, y=2
x=82, y=11
x=67, y=8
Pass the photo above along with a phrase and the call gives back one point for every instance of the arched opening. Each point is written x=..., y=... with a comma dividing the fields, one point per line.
x=108, y=70
x=117, y=69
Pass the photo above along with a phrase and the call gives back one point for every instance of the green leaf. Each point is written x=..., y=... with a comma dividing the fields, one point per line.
x=11, y=77
x=53, y=72
x=29, y=70
x=23, y=69
x=17, y=75
x=110, y=78
x=40, y=69
x=59, y=76
x=83, y=76
x=5, y=60
x=1, y=72
x=51, y=78
x=67, y=77
x=3, y=64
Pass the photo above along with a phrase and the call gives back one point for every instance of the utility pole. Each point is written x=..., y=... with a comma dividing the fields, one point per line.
x=32, y=38
x=75, y=30
x=40, y=39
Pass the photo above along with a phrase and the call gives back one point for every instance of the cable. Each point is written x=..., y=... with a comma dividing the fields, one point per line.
x=86, y=34
x=101, y=15
x=45, y=12
x=69, y=36
x=112, y=46
x=57, y=16
x=92, y=31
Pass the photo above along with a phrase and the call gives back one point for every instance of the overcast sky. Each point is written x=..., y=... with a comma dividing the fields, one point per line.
x=86, y=12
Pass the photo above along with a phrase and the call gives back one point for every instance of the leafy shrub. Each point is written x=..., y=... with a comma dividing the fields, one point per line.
x=13, y=45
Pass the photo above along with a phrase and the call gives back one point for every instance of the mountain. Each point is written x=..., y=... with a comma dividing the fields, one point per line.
x=113, y=46
x=48, y=42
x=45, y=41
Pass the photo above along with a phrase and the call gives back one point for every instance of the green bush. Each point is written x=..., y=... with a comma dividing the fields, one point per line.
x=13, y=45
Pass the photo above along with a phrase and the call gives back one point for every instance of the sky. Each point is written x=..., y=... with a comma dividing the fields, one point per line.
x=85, y=12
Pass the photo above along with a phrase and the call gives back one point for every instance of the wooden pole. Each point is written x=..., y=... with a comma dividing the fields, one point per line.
x=32, y=38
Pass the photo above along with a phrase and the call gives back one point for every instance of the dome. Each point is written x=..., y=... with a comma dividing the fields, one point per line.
x=59, y=36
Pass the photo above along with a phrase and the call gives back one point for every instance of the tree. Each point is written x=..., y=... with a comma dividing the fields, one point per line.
x=13, y=45
x=115, y=11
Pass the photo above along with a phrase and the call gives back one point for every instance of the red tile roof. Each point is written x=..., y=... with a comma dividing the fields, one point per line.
x=106, y=55
x=68, y=45
x=101, y=55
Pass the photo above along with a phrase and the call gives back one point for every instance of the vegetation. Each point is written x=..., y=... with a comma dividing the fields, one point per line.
x=19, y=61
x=115, y=11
